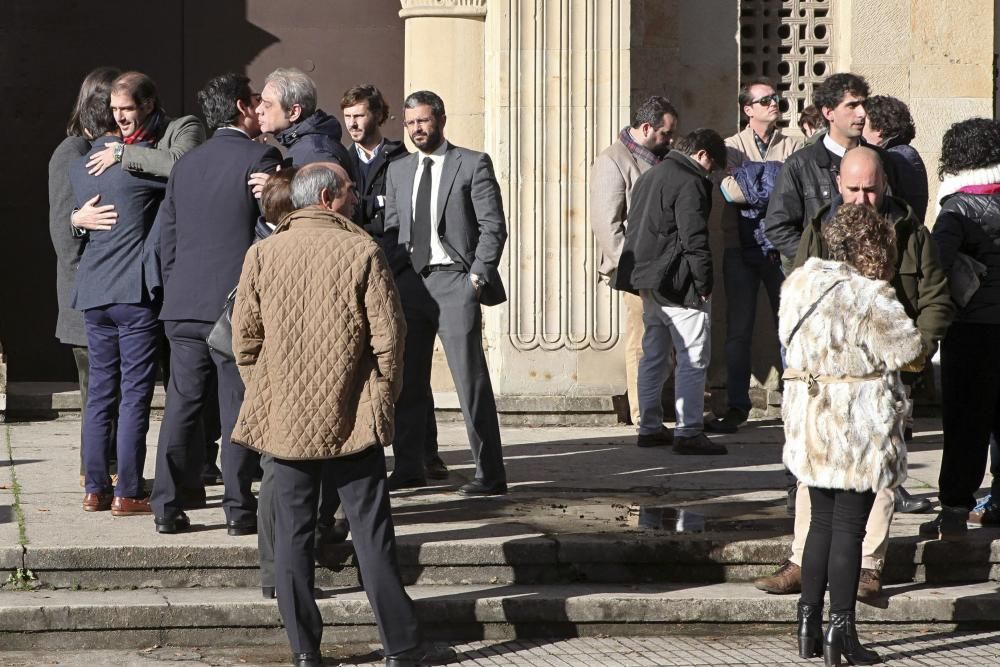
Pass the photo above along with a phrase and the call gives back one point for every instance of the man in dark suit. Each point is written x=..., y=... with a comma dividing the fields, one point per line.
x=206, y=225
x=120, y=320
x=444, y=203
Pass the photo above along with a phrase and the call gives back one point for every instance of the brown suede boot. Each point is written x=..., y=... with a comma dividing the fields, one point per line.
x=870, y=585
x=787, y=579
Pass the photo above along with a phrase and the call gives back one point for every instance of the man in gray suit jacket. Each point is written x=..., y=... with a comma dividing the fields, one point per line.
x=445, y=232
x=637, y=148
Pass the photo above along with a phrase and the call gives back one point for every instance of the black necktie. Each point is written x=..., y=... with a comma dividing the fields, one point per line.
x=420, y=236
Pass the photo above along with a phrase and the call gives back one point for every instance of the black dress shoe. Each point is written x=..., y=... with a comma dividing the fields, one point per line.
x=397, y=482
x=436, y=469
x=236, y=528
x=409, y=658
x=312, y=659
x=268, y=592
x=907, y=504
x=173, y=523
x=479, y=488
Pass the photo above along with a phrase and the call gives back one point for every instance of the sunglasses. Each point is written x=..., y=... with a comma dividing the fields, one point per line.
x=767, y=100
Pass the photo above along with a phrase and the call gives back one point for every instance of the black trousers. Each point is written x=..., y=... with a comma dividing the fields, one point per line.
x=180, y=456
x=443, y=304
x=970, y=396
x=832, y=554
x=361, y=484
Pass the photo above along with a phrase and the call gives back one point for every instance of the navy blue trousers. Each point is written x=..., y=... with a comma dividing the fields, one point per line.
x=123, y=347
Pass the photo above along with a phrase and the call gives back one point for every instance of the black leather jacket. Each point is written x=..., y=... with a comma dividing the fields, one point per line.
x=970, y=224
x=807, y=183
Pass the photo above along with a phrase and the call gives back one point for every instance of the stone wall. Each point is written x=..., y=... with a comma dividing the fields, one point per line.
x=935, y=56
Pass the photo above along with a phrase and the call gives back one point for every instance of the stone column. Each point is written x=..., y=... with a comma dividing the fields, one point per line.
x=557, y=92
x=444, y=53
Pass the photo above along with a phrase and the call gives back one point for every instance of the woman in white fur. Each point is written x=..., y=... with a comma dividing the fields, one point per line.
x=846, y=336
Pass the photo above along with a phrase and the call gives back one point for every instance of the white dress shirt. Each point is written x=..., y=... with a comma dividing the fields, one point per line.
x=363, y=155
x=438, y=254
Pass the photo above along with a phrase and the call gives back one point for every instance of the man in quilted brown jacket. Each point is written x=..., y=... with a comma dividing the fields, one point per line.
x=318, y=335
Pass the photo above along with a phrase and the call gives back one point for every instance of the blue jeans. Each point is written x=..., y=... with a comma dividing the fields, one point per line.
x=743, y=274
x=123, y=345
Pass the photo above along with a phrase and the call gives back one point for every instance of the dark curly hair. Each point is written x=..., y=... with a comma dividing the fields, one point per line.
x=219, y=96
x=863, y=238
x=892, y=118
x=970, y=144
x=829, y=93
x=812, y=117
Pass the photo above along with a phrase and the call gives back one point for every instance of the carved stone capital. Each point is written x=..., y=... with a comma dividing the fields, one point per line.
x=451, y=8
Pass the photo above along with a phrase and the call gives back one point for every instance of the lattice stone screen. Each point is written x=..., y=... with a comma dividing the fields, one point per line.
x=790, y=42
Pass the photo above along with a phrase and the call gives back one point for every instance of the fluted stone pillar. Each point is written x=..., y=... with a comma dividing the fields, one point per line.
x=444, y=53
x=557, y=92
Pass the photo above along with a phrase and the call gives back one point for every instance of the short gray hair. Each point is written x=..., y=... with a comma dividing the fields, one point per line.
x=309, y=183
x=293, y=87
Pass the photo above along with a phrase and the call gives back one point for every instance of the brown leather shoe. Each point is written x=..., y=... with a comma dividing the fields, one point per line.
x=787, y=579
x=96, y=502
x=130, y=506
x=869, y=585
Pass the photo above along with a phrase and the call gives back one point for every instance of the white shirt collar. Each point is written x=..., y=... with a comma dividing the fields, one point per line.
x=438, y=153
x=833, y=146
x=236, y=129
x=363, y=156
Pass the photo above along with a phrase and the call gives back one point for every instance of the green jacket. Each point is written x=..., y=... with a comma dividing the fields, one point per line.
x=920, y=282
x=181, y=135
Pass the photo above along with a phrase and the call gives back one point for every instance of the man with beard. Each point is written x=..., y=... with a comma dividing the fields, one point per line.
x=637, y=148
x=444, y=203
x=365, y=111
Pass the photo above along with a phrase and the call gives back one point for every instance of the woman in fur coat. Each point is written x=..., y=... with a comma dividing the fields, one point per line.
x=846, y=337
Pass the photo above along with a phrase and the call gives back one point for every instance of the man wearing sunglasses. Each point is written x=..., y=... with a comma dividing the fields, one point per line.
x=755, y=154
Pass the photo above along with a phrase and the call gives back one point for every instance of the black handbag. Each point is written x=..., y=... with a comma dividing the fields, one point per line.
x=220, y=338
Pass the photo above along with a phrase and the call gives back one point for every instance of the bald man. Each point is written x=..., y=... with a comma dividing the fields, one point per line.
x=921, y=286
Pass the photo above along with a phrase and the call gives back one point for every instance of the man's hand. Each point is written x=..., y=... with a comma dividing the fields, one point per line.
x=477, y=284
x=257, y=181
x=93, y=217
x=101, y=160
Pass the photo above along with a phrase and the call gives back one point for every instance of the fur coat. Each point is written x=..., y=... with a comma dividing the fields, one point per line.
x=845, y=435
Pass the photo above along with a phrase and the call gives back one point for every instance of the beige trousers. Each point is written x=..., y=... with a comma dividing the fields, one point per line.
x=634, y=330
x=876, y=532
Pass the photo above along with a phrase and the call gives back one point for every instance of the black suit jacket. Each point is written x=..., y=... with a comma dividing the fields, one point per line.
x=207, y=223
x=371, y=185
x=469, y=215
x=112, y=267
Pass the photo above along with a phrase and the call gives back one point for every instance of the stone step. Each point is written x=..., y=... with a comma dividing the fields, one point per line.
x=636, y=558
x=239, y=616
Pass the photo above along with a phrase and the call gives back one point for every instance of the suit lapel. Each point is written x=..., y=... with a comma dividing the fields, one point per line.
x=452, y=163
x=404, y=200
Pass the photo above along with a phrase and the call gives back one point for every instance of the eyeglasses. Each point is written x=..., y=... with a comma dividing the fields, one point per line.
x=767, y=100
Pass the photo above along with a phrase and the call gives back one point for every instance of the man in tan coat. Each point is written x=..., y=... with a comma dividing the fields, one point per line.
x=745, y=265
x=637, y=148
x=318, y=335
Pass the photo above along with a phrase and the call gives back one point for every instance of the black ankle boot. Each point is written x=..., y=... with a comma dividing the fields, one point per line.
x=842, y=640
x=810, y=630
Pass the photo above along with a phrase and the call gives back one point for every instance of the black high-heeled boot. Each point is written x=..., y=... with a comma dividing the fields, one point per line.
x=842, y=640
x=810, y=630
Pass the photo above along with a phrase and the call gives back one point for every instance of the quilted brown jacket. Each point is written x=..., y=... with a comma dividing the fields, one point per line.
x=318, y=335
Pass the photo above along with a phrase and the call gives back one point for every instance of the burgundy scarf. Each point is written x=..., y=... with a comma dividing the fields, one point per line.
x=148, y=131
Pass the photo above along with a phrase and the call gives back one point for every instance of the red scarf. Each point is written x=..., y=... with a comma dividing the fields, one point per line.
x=990, y=189
x=148, y=131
